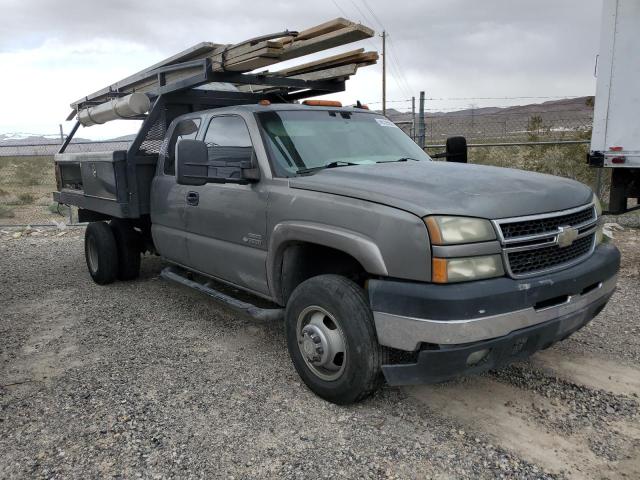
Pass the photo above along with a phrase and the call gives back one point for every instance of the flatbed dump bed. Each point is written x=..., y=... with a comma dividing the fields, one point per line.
x=205, y=76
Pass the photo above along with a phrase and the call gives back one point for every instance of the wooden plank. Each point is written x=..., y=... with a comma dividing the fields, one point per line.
x=330, y=73
x=236, y=51
x=336, y=38
x=326, y=27
x=342, y=71
x=354, y=56
x=263, y=52
x=319, y=63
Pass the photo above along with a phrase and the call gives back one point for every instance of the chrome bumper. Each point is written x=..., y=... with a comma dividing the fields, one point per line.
x=406, y=333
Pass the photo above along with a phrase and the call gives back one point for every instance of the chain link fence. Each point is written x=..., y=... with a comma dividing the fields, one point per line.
x=27, y=181
x=554, y=142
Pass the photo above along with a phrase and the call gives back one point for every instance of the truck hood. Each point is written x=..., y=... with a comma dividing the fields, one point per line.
x=427, y=188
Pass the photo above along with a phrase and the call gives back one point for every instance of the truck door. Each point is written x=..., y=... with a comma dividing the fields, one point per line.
x=226, y=221
x=168, y=199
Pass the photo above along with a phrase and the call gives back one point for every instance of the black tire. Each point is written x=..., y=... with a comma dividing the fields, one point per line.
x=128, y=244
x=101, y=253
x=346, y=302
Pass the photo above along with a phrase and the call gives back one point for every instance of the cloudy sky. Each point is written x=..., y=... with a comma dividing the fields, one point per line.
x=53, y=52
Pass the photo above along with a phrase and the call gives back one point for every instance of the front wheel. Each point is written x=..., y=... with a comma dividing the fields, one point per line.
x=331, y=339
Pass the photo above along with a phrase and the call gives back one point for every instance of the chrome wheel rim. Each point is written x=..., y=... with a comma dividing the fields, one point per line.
x=322, y=343
x=92, y=254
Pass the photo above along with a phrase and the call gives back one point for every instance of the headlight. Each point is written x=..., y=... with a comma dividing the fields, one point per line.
x=445, y=230
x=449, y=270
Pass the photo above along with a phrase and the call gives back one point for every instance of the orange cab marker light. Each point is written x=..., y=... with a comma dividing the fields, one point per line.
x=434, y=230
x=439, y=270
x=322, y=103
x=264, y=103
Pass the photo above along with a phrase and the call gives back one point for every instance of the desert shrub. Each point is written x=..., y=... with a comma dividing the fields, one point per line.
x=44, y=201
x=6, y=211
x=59, y=209
x=31, y=171
x=26, y=198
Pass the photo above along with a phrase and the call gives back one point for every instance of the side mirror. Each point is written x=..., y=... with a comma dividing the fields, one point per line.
x=233, y=165
x=198, y=165
x=193, y=162
x=456, y=149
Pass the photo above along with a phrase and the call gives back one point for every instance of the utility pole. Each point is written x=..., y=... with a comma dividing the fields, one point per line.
x=61, y=133
x=384, y=72
x=421, y=122
x=413, y=118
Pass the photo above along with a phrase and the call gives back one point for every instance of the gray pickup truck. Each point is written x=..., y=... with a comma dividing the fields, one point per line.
x=383, y=262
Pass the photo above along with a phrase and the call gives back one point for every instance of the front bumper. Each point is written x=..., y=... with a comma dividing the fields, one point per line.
x=443, y=324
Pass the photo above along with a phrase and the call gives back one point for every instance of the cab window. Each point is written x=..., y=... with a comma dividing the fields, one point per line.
x=185, y=129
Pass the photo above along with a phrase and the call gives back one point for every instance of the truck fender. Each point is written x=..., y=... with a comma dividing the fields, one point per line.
x=359, y=246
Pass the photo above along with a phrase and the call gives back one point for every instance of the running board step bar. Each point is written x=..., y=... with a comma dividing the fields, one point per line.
x=179, y=275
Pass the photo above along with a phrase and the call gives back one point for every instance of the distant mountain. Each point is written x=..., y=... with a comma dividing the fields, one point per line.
x=124, y=138
x=10, y=139
x=574, y=105
x=564, y=118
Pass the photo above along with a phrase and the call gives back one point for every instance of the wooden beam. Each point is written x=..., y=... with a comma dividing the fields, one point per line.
x=336, y=38
x=326, y=27
x=354, y=56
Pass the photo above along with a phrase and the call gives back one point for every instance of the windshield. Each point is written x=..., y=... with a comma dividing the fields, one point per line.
x=302, y=142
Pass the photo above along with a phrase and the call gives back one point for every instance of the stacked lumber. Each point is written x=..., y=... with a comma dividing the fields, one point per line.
x=340, y=66
x=258, y=53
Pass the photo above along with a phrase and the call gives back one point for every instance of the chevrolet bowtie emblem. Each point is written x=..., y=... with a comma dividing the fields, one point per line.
x=567, y=236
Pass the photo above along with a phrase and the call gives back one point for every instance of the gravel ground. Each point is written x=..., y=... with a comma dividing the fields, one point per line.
x=148, y=379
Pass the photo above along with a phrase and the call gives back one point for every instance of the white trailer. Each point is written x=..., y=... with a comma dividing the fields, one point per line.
x=615, y=141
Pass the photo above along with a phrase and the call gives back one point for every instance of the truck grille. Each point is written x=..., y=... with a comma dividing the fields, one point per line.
x=542, y=225
x=532, y=244
x=527, y=261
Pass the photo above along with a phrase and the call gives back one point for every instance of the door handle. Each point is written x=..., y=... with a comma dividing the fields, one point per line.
x=193, y=198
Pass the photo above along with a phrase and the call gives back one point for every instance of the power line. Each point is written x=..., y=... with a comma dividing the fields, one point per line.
x=395, y=70
x=375, y=17
x=395, y=60
x=344, y=14
x=362, y=15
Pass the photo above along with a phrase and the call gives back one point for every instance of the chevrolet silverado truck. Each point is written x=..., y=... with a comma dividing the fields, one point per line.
x=383, y=263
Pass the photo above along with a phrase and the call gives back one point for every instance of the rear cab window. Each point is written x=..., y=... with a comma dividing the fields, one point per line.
x=186, y=129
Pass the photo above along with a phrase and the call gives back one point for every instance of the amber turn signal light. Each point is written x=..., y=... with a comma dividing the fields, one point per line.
x=322, y=103
x=439, y=270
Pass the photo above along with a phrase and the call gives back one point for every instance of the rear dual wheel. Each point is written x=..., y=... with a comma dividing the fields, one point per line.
x=112, y=251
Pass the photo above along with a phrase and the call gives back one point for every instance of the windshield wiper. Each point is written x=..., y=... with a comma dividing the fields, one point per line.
x=401, y=159
x=335, y=164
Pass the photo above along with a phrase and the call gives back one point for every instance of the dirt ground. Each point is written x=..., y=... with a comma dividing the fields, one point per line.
x=147, y=379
